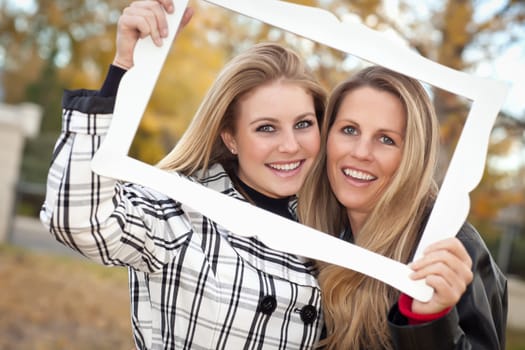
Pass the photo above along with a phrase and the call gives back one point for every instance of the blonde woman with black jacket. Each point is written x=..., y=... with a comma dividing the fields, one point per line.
x=373, y=185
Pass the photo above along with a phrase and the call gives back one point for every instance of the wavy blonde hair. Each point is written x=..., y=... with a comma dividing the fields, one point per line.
x=355, y=305
x=201, y=144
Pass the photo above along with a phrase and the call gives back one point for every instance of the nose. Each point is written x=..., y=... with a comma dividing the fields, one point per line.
x=361, y=149
x=289, y=142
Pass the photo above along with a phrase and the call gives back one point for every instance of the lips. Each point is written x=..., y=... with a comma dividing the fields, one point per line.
x=358, y=175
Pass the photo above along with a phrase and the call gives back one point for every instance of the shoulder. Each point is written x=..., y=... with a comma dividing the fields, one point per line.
x=216, y=178
x=474, y=244
x=482, y=260
x=470, y=237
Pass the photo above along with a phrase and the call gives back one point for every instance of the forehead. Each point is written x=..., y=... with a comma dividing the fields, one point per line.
x=365, y=102
x=276, y=99
x=274, y=85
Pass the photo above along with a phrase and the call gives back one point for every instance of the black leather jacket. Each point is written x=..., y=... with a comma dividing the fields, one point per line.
x=479, y=319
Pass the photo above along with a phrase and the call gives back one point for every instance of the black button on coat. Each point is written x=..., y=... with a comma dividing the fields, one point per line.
x=308, y=314
x=268, y=304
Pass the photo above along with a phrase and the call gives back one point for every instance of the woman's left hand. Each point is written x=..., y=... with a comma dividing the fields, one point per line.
x=446, y=267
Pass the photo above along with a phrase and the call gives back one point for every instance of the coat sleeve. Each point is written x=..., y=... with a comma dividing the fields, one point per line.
x=108, y=221
x=478, y=321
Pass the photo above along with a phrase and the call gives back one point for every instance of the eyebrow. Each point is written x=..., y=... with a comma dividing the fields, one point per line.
x=402, y=134
x=349, y=120
x=276, y=120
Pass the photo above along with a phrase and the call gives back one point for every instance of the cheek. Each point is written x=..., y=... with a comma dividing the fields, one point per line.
x=309, y=142
x=314, y=143
x=251, y=144
x=333, y=149
x=255, y=153
x=392, y=164
x=331, y=157
x=248, y=153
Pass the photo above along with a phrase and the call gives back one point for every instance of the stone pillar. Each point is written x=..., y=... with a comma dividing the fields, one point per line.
x=17, y=122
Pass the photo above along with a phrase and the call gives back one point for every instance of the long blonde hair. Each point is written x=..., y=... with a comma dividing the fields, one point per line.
x=201, y=145
x=356, y=306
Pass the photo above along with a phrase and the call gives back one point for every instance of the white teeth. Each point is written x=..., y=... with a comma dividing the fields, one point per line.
x=358, y=174
x=285, y=167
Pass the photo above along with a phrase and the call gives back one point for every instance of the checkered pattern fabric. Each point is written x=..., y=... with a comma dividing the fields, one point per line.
x=193, y=284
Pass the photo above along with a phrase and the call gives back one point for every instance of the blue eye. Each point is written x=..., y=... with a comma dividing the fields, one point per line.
x=265, y=128
x=350, y=130
x=303, y=124
x=387, y=140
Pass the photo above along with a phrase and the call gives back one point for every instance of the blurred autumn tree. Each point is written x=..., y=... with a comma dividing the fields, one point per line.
x=44, y=47
x=69, y=43
x=461, y=34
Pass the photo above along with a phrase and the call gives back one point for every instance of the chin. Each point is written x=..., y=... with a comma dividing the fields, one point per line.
x=287, y=193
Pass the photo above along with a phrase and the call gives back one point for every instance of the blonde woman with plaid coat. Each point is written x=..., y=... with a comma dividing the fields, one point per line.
x=193, y=284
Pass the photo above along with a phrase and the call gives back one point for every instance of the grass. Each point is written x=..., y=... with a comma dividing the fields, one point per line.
x=54, y=303
x=515, y=339
x=49, y=302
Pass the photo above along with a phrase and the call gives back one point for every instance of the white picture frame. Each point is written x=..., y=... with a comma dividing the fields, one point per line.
x=453, y=202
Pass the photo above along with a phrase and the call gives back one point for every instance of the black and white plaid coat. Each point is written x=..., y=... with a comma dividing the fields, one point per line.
x=193, y=284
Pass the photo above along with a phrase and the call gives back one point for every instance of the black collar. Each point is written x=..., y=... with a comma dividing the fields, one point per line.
x=277, y=206
x=347, y=235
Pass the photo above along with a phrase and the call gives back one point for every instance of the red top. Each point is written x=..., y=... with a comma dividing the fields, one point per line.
x=405, y=307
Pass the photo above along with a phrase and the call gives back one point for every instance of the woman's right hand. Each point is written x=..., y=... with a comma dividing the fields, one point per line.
x=447, y=267
x=140, y=19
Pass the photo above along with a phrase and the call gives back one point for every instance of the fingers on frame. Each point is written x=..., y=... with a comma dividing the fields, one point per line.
x=451, y=248
x=453, y=245
x=148, y=18
x=445, y=263
x=443, y=291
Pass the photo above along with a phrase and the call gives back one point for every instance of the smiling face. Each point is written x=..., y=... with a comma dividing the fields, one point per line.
x=276, y=138
x=364, y=149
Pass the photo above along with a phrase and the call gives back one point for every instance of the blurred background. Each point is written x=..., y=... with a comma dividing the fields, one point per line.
x=52, y=298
